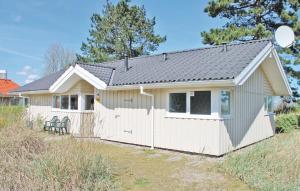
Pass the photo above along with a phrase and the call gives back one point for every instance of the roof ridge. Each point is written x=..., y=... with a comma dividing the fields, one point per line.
x=188, y=50
x=95, y=64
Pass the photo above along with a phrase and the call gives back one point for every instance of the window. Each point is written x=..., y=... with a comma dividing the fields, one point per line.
x=268, y=104
x=225, y=102
x=64, y=102
x=14, y=101
x=200, y=102
x=89, y=102
x=26, y=102
x=56, y=102
x=197, y=102
x=177, y=102
x=74, y=102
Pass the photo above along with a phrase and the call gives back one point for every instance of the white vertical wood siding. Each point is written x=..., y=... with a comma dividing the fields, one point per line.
x=249, y=122
x=125, y=116
x=41, y=106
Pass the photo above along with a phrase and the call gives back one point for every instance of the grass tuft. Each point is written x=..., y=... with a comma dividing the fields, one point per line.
x=141, y=182
x=270, y=165
x=29, y=162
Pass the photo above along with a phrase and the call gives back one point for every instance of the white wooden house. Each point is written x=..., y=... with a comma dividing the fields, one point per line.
x=208, y=100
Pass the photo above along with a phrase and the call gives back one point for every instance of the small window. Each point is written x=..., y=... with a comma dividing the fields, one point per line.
x=225, y=102
x=14, y=101
x=177, y=102
x=200, y=102
x=64, y=102
x=268, y=104
x=26, y=102
x=56, y=102
x=74, y=102
x=89, y=102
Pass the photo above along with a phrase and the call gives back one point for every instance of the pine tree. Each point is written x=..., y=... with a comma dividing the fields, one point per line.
x=121, y=29
x=256, y=19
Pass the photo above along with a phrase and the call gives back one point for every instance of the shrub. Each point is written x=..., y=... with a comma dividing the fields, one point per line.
x=298, y=117
x=286, y=122
x=285, y=108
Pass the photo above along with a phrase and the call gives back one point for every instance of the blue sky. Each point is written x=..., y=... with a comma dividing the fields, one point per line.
x=29, y=27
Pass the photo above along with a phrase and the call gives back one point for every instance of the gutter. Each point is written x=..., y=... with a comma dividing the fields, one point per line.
x=189, y=84
x=30, y=92
x=152, y=113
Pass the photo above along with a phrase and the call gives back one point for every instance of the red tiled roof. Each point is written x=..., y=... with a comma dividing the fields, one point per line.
x=6, y=86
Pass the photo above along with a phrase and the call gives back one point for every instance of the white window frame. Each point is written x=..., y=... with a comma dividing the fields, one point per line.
x=230, y=102
x=214, y=110
x=83, y=102
x=52, y=102
x=28, y=98
x=69, y=104
x=266, y=106
x=78, y=98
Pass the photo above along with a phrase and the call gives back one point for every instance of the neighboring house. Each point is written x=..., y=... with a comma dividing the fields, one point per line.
x=6, y=86
x=208, y=100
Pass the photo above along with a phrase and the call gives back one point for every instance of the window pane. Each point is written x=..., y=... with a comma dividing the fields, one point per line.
x=14, y=101
x=225, y=103
x=201, y=103
x=270, y=103
x=89, y=102
x=56, y=102
x=26, y=102
x=64, y=102
x=177, y=102
x=74, y=102
x=266, y=103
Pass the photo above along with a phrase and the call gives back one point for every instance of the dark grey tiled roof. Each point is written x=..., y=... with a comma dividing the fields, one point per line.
x=192, y=65
x=212, y=63
x=104, y=73
x=41, y=84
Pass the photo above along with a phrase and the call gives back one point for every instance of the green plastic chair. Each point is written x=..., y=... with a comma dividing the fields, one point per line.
x=62, y=126
x=50, y=124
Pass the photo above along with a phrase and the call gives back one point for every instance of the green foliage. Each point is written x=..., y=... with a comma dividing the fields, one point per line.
x=253, y=20
x=285, y=108
x=121, y=29
x=141, y=182
x=10, y=115
x=250, y=19
x=270, y=165
x=286, y=122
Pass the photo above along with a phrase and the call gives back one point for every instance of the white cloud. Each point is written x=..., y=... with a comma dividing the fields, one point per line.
x=27, y=81
x=29, y=73
x=33, y=76
x=27, y=67
x=18, y=18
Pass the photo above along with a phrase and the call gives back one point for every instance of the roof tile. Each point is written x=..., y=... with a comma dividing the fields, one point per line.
x=210, y=63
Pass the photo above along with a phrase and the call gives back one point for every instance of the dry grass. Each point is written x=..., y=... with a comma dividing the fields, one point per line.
x=270, y=165
x=141, y=169
x=28, y=162
x=10, y=115
x=33, y=160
